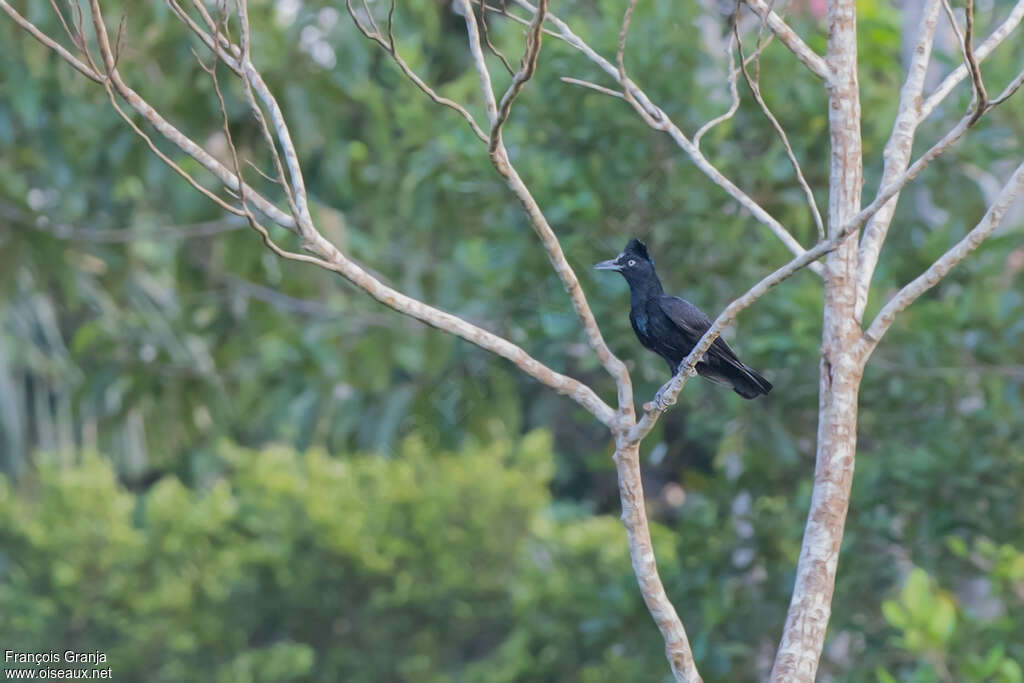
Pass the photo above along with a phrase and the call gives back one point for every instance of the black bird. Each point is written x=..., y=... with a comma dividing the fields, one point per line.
x=671, y=326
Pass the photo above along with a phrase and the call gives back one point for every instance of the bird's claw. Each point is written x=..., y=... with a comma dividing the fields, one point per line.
x=689, y=371
x=660, y=403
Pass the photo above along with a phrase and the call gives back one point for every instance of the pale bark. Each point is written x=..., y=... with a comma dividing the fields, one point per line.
x=1010, y=193
x=650, y=112
x=811, y=59
x=645, y=567
x=847, y=271
x=897, y=151
x=810, y=607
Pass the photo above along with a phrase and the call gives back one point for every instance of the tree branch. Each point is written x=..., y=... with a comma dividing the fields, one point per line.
x=645, y=566
x=172, y=134
x=984, y=50
x=592, y=86
x=552, y=247
x=527, y=67
x=1010, y=192
x=897, y=152
x=755, y=89
x=390, y=47
x=811, y=59
x=966, y=40
x=49, y=42
x=947, y=141
x=650, y=112
x=325, y=254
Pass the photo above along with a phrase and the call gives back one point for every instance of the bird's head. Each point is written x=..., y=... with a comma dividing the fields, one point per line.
x=634, y=262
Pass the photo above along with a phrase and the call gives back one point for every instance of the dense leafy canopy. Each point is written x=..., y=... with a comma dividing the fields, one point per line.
x=137, y=322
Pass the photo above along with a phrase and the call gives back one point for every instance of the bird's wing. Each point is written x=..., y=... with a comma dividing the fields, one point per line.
x=693, y=322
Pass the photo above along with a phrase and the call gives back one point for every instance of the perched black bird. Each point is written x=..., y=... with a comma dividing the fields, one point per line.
x=671, y=326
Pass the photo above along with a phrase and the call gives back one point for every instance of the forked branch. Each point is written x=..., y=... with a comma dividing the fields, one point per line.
x=1010, y=192
x=323, y=253
x=811, y=59
x=897, y=152
x=652, y=114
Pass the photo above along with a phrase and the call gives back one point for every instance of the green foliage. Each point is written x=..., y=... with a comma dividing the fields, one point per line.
x=926, y=618
x=298, y=567
x=132, y=327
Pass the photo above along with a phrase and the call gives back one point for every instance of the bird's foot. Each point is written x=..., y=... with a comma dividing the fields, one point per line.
x=688, y=371
x=660, y=404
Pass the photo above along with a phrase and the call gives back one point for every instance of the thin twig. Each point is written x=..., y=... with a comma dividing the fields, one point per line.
x=656, y=121
x=755, y=89
x=993, y=41
x=1009, y=194
x=503, y=11
x=897, y=153
x=734, y=93
x=486, y=33
x=49, y=42
x=734, y=97
x=527, y=67
x=593, y=86
x=979, y=98
x=391, y=49
x=790, y=39
x=651, y=111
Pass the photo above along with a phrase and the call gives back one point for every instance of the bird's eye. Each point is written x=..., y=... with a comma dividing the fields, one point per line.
x=631, y=262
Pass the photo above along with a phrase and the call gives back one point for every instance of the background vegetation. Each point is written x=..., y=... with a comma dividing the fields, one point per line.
x=222, y=466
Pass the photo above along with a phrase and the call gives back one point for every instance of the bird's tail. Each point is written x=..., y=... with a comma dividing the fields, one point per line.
x=749, y=384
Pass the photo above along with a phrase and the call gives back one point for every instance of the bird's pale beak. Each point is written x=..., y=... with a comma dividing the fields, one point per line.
x=610, y=264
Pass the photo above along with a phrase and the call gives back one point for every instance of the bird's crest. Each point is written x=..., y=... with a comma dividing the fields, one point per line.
x=637, y=248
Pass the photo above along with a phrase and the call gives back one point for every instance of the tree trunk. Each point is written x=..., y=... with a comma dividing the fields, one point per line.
x=809, y=610
x=641, y=551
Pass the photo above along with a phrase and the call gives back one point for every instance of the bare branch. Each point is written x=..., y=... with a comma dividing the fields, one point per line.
x=655, y=121
x=593, y=86
x=486, y=33
x=1010, y=192
x=734, y=93
x=137, y=103
x=984, y=50
x=811, y=59
x=503, y=11
x=49, y=42
x=499, y=158
x=755, y=89
x=652, y=112
x=947, y=141
x=734, y=98
x=897, y=152
x=167, y=160
x=980, y=95
x=527, y=67
x=390, y=47
x=329, y=257
x=1007, y=92
x=966, y=40
x=480, y=63
x=645, y=567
